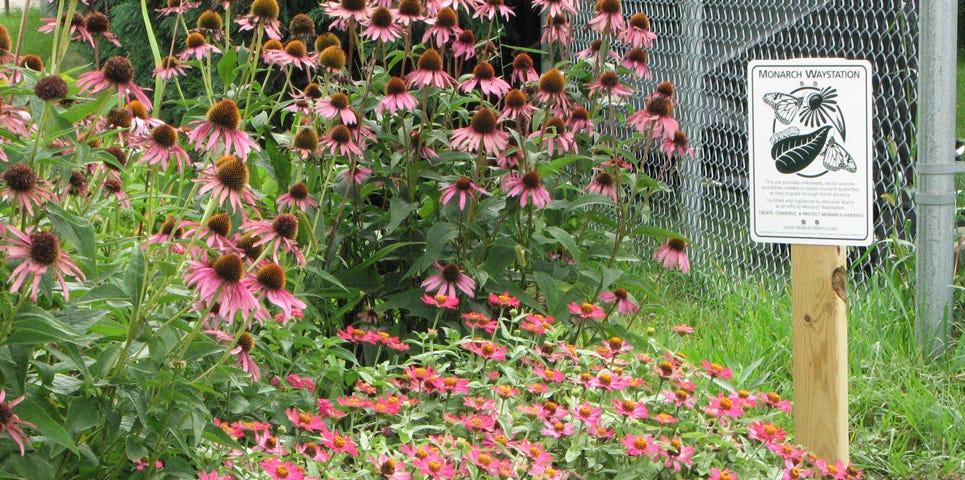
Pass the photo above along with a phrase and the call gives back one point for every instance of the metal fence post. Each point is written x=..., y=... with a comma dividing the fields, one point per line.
x=935, y=197
x=691, y=92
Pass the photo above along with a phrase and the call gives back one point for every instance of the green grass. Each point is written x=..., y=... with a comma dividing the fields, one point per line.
x=33, y=41
x=960, y=96
x=906, y=414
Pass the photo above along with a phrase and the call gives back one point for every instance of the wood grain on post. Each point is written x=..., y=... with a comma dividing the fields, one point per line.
x=820, y=349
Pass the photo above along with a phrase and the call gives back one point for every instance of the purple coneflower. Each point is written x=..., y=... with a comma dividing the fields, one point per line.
x=529, y=188
x=609, y=17
x=354, y=175
x=624, y=304
x=243, y=347
x=215, y=233
x=592, y=52
x=488, y=9
x=221, y=282
x=211, y=24
x=580, y=121
x=283, y=231
x=177, y=7
x=269, y=282
x=449, y=279
x=482, y=132
x=484, y=75
x=171, y=67
x=163, y=146
x=295, y=53
x=169, y=232
x=10, y=422
x=673, y=254
x=141, y=121
x=338, y=106
x=197, y=47
x=227, y=179
x=558, y=29
x=462, y=187
x=397, y=97
x=444, y=26
x=516, y=106
x=655, y=118
x=409, y=12
x=552, y=91
x=555, y=7
x=223, y=121
x=347, y=11
x=523, y=70
x=636, y=60
x=78, y=27
x=332, y=60
x=25, y=188
x=676, y=145
x=429, y=71
x=297, y=196
x=465, y=45
x=117, y=72
x=305, y=142
x=554, y=137
x=39, y=251
x=264, y=12
x=638, y=32
x=382, y=26
x=112, y=186
x=603, y=184
x=610, y=87
x=98, y=23
x=338, y=141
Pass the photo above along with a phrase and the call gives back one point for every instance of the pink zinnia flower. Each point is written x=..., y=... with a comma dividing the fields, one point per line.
x=609, y=17
x=305, y=420
x=714, y=370
x=269, y=282
x=282, y=231
x=221, y=126
x=25, y=188
x=774, y=400
x=429, y=71
x=487, y=350
x=630, y=408
x=117, y=72
x=718, y=474
x=10, y=422
x=475, y=320
x=503, y=300
x=279, y=470
x=463, y=188
x=637, y=445
x=673, y=254
x=197, y=47
x=390, y=468
x=723, y=406
x=162, y=146
x=338, y=443
x=624, y=304
x=557, y=428
x=766, y=432
x=676, y=455
x=222, y=282
x=603, y=184
x=434, y=466
x=638, y=32
x=682, y=329
x=337, y=106
x=382, y=26
x=483, y=132
x=243, y=347
x=227, y=179
x=485, y=77
x=529, y=188
x=441, y=301
x=586, y=310
x=448, y=280
x=40, y=251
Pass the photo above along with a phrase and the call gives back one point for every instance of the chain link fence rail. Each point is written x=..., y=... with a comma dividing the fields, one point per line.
x=704, y=48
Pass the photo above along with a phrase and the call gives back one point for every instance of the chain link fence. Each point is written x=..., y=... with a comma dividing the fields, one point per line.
x=704, y=48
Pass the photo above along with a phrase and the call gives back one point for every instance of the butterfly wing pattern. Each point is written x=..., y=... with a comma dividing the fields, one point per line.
x=836, y=158
x=785, y=106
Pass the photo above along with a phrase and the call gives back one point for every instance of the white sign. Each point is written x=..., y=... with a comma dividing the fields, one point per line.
x=811, y=151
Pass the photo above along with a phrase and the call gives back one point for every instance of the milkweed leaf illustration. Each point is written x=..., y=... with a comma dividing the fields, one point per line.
x=795, y=153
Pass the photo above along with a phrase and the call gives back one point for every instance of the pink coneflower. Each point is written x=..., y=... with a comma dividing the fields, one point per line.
x=337, y=106
x=586, y=310
x=463, y=188
x=283, y=231
x=444, y=27
x=481, y=132
x=637, y=61
x=40, y=251
x=555, y=7
x=24, y=187
x=449, y=279
x=593, y=51
x=10, y=422
x=516, y=107
x=117, y=72
x=78, y=27
x=305, y=142
x=655, y=119
x=441, y=301
x=162, y=146
x=429, y=71
x=580, y=121
x=279, y=470
x=523, y=70
x=610, y=87
x=222, y=281
x=559, y=30
x=609, y=17
x=227, y=179
x=338, y=141
x=638, y=32
x=338, y=443
x=221, y=126
x=673, y=254
x=554, y=137
x=676, y=145
x=397, y=97
x=485, y=77
x=346, y=11
x=197, y=47
x=171, y=67
x=269, y=281
x=295, y=53
x=263, y=12
x=624, y=304
x=215, y=233
x=177, y=7
x=382, y=26
x=529, y=188
x=297, y=196
x=98, y=23
x=141, y=120
x=637, y=445
x=552, y=91
x=465, y=45
x=112, y=187
x=488, y=9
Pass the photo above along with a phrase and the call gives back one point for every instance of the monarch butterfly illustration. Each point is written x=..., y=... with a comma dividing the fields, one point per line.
x=811, y=106
x=836, y=157
x=785, y=106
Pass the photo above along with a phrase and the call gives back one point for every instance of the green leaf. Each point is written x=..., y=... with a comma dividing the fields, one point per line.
x=399, y=210
x=76, y=230
x=30, y=410
x=566, y=240
x=33, y=325
x=134, y=275
x=227, y=70
x=590, y=199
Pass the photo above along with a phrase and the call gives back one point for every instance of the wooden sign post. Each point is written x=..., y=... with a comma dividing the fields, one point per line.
x=810, y=145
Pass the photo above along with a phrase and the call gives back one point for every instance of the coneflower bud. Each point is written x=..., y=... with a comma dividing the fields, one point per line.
x=302, y=25
x=51, y=88
x=332, y=58
x=666, y=89
x=325, y=40
x=118, y=154
x=33, y=62
x=225, y=114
